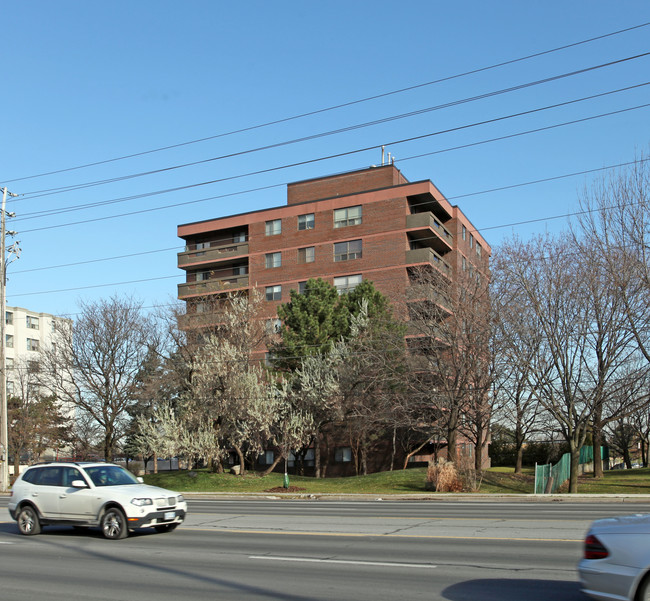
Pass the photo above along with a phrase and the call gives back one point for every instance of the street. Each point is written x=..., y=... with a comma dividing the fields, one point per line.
x=244, y=549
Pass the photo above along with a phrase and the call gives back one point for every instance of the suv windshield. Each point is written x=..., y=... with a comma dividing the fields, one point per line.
x=110, y=475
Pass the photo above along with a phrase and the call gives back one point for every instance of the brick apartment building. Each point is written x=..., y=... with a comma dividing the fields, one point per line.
x=369, y=224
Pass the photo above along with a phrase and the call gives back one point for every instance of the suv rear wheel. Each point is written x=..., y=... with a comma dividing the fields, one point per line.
x=28, y=522
x=114, y=524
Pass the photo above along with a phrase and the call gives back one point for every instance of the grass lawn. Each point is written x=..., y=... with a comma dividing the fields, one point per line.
x=411, y=481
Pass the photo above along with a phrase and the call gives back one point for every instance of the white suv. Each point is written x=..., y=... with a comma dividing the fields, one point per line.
x=92, y=494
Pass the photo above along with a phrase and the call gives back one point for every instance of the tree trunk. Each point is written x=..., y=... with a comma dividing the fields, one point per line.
x=452, y=444
x=155, y=463
x=413, y=452
x=271, y=467
x=478, y=448
x=519, y=446
x=626, y=458
x=573, y=471
x=242, y=465
x=519, y=463
x=108, y=446
x=317, y=457
x=598, y=442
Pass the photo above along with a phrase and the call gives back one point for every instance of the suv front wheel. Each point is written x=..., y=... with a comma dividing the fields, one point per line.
x=114, y=524
x=28, y=522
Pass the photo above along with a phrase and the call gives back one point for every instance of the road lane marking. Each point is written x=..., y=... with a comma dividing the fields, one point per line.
x=380, y=535
x=346, y=562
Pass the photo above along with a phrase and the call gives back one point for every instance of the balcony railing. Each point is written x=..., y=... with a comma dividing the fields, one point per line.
x=211, y=286
x=423, y=292
x=428, y=221
x=213, y=254
x=428, y=255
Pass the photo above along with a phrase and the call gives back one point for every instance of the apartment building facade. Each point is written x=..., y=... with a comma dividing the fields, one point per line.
x=27, y=333
x=372, y=224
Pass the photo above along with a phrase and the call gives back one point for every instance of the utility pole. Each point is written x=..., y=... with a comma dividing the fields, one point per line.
x=4, y=427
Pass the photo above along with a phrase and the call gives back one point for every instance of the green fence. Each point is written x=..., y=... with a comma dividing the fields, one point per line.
x=549, y=478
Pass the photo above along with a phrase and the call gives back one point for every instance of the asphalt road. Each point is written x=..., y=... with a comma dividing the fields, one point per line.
x=315, y=550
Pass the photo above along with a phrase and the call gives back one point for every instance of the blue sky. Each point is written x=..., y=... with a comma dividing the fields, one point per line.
x=88, y=82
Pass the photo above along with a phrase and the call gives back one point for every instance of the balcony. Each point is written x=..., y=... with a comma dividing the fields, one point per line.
x=424, y=293
x=430, y=231
x=191, y=321
x=212, y=286
x=428, y=255
x=214, y=254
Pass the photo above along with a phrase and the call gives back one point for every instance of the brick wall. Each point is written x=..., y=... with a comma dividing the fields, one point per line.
x=346, y=183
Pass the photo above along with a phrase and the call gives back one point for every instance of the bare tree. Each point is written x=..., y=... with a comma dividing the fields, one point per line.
x=451, y=353
x=94, y=364
x=614, y=226
x=515, y=344
x=584, y=356
x=37, y=422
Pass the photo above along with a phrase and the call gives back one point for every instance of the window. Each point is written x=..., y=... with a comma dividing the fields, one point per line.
x=307, y=460
x=31, y=322
x=302, y=287
x=347, y=216
x=239, y=237
x=273, y=260
x=464, y=264
x=479, y=249
x=9, y=362
x=347, y=283
x=343, y=455
x=48, y=476
x=10, y=387
x=202, y=276
x=9, y=318
x=240, y=270
x=306, y=255
x=70, y=474
x=464, y=232
x=269, y=359
x=471, y=241
x=306, y=222
x=201, y=307
x=266, y=458
x=274, y=227
x=32, y=344
x=9, y=341
x=346, y=251
x=273, y=293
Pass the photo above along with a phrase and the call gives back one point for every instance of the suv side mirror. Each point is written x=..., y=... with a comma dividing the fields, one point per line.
x=79, y=484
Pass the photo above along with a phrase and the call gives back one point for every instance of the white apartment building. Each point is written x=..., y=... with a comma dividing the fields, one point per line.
x=26, y=333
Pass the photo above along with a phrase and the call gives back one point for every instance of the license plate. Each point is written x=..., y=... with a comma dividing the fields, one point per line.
x=169, y=515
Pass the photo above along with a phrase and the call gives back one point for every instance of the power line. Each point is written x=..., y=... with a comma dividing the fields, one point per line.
x=499, y=189
x=537, y=220
x=74, y=187
x=318, y=159
x=342, y=105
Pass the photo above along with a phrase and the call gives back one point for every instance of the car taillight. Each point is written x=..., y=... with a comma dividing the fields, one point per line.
x=594, y=549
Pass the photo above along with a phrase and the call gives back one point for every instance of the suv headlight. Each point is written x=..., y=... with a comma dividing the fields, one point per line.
x=141, y=502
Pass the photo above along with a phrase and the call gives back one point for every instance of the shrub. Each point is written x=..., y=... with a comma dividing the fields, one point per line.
x=443, y=477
